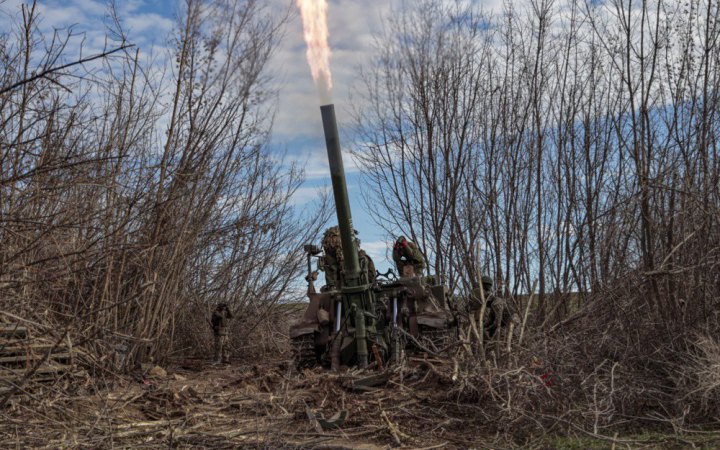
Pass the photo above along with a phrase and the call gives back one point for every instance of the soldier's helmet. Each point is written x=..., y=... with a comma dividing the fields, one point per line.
x=332, y=241
x=331, y=237
x=487, y=282
x=332, y=231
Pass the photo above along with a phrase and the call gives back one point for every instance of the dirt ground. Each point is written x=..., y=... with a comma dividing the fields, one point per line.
x=263, y=404
x=193, y=404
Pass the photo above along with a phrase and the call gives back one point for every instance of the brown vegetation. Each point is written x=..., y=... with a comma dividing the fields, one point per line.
x=574, y=144
x=561, y=148
x=131, y=205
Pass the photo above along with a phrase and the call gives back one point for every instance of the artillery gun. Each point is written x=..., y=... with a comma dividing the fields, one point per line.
x=363, y=317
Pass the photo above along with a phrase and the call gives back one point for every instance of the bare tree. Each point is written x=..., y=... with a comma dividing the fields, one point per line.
x=424, y=93
x=129, y=209
x=588, y=152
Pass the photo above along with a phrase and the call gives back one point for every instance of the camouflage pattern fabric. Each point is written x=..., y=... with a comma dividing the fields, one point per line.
x=406, y=252
x=477, y=294
x=331, y=267
x=220, y=319
x=222, y=349
x=367, y=263
x=475, y=300
x=499, y=315
x=333, y=257
x=332, y=244
x=332, y=260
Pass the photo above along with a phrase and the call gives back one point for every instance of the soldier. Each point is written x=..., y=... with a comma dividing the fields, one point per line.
x=367, y=263
x=407, y=253
x=497, y=312
x=333, y=257
x=220, y=318
x=332, y=260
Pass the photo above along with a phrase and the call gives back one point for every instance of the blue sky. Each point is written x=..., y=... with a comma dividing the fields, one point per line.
x=298, y=128
x=297, y=131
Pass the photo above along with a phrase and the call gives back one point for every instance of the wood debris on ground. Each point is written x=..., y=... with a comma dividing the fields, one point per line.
x=24, y=357
x=194, y=404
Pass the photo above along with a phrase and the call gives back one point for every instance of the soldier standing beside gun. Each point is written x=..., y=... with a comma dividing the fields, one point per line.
x=220, y=318
x=407, y=253
x=333, y=258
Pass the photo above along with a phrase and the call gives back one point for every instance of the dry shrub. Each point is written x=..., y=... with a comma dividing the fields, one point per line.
x=622, y=363
x=700, y=377
x=255, y=331
x=194, y=333
x=516, y=395
x=616, y=364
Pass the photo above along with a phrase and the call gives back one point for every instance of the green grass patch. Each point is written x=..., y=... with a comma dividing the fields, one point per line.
x=699, y=441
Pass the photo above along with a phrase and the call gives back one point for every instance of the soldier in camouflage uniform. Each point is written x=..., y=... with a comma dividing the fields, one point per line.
x=220, y=321
x=367, y=265
x=497, y=313
x=332, y=260
x=407, y=253
x=333, y=257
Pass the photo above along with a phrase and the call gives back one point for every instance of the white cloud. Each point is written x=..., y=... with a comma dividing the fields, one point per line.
x=152, y=23
x=306, y=195
x=316, y=163
x=378, y=250
x=381, y=253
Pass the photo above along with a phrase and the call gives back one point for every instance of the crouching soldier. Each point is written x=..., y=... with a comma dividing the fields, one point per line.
x=220, y=321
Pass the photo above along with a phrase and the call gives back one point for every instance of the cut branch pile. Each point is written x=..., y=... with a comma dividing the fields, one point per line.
x=25, y=359
x=260, y=405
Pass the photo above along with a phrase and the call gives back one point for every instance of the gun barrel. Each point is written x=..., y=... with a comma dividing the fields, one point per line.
x=342, y=204
x=357, y=297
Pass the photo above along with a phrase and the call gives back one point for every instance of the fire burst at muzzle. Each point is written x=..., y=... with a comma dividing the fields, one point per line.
x=315, y=30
